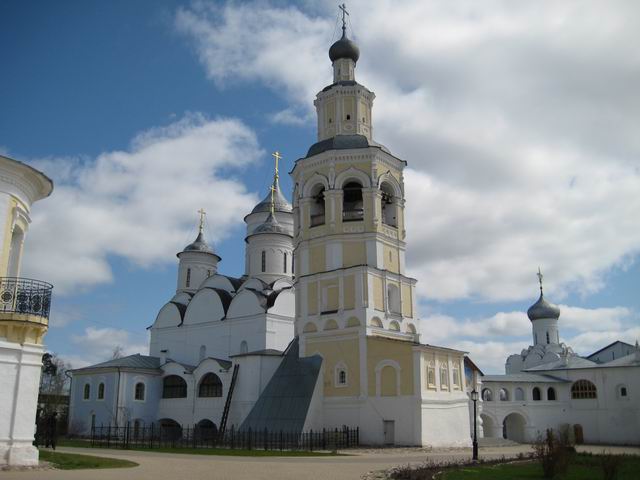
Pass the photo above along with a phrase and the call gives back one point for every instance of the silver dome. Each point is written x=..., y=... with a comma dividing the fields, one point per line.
x=543, y=309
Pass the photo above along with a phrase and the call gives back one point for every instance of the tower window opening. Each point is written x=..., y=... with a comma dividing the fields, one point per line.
x=187, y=283
x=348, y=117
x=352, y=205
x=548, y=338
x=317, y=206
x=285, y=262
x=264, y=261
x=388, y=206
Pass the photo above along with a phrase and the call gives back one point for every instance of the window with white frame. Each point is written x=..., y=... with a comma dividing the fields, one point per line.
x=444, y=376
x=431, y=374
x=341, y=377
x=139, y=392
x=455, y=370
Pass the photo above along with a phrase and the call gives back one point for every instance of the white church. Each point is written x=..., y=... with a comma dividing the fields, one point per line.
x=321, y=330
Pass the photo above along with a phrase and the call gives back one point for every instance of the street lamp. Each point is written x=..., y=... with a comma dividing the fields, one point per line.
x=474, y=397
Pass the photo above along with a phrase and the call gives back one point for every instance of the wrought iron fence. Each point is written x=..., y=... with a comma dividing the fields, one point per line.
x=161, y=436
x=24, y=295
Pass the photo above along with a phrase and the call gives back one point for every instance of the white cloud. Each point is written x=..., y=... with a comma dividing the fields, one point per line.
x=517, y=119
x=97, y=345
x=140, y=204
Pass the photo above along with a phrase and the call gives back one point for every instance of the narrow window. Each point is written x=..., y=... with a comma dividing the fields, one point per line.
x=101, y=391
x=551, y=393
x=139, y=393
x=548, y=338
x=264, y=261
x=285, y=262
x=188, y=282
x=623, y=391
x=536, y=394
x=87, y=391
x=342, y=377
x=431, y=374
x=348, y=117
x=444, y=376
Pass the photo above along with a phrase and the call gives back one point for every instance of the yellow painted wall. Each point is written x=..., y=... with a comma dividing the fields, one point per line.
x=389, y=382
x=391, y=260
x=378, y=294
x=379, y=349
x=407, y=301
x=354, y=253
x=333, y=352
x=349, y=291
x=312, y=297
x=317, y=259
x=349, y=108
x=330, y=292
x=330, y=113
x=6, y=238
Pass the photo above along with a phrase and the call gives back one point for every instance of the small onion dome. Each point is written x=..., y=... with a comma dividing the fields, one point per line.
x=344, y=48
x=543, y=309
x=199, y=245
x=271, y=225
x=280, y=203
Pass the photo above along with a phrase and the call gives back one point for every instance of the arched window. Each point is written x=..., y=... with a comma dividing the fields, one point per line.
x=548, y=338
x=187, y=283
x=86, y=393
x=244, y=346
x=139, y=391
x=101, y=391
x=317, y=206
x=444, y=376
x=551, y=393
x=504, y=395
x=519, y=394
x=203, y=352
x=487, y=395
x=583, y=389
x=536, y=394
x=393, y=298
x=264, y=261
x=388, y=206
x=455, y=371
x=285, y=262
x=17, y=238
x=352, y=206
x=210, y=386
x=431, y=374
x=174, y=386
x=341, y=375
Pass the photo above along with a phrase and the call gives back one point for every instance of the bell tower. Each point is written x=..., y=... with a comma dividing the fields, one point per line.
x=349, y=231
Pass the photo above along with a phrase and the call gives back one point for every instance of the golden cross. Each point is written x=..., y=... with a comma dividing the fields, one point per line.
x=540, y=277
x=277, y=157
x=202, y=214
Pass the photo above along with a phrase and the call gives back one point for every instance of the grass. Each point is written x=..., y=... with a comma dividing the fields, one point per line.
x=73, y=461
x=583, y=467
x=212, y=451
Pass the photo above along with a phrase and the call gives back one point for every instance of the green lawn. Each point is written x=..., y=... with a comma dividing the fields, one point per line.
x=584, y=467
x=73, y=461
x=212, y=451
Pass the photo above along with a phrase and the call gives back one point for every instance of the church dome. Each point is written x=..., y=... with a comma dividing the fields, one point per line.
x=344, y=48
x=543, y=309
x=198, y=245
x=271, y=225
x=280, y=203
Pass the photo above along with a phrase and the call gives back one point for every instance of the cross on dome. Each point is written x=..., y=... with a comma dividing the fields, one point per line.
x=343, y=7
x=202, y=215
x=540, y=277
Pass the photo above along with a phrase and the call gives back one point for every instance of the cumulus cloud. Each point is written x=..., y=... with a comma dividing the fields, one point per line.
x=518, y=122
x=97, y=345
x=140, y=204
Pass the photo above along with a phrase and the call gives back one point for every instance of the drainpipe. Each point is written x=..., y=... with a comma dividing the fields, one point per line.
x=117, y=397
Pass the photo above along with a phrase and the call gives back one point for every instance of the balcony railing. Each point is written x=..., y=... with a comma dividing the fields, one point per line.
x=352, y=215
x=25, y=296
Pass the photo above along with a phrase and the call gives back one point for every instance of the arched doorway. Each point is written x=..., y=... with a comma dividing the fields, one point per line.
x=488, y=427
x=206, y=431
x=170, y=429
x=513, y=427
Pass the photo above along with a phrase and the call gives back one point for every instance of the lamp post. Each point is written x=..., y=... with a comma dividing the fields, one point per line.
x=474, y=397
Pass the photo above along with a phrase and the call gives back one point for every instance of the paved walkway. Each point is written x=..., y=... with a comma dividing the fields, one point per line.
x=160, y=466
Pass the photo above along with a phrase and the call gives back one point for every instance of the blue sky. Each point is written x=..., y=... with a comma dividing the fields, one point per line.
x=516, y=122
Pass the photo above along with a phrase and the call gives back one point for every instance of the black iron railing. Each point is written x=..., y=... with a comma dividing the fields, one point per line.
x=177, y=436
x=24, y=295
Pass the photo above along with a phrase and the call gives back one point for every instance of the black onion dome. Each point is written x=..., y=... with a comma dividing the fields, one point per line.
x=543, y=309
x=344, y=48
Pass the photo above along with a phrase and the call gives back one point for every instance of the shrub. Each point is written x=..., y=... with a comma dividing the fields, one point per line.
x=610, y=465
x=554, y=452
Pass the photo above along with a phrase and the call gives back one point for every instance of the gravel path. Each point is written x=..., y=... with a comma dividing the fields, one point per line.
x=160, y=466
